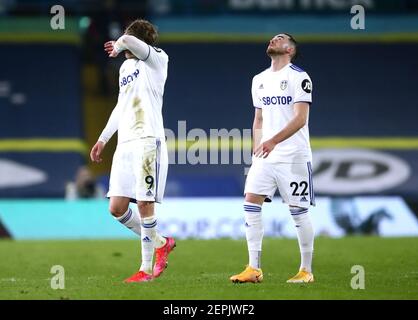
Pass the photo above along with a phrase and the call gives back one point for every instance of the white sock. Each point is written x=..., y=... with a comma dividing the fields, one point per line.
x=131, y=220
x=254, y=232
x=148, y=230
x=150, y=223
x=305, y=234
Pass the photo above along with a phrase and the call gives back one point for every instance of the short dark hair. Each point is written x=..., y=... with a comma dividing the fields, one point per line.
x=295, y=44
x=143, y=30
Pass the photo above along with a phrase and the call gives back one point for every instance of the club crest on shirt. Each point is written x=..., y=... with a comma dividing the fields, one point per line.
x=261, y=86
x=283, y=84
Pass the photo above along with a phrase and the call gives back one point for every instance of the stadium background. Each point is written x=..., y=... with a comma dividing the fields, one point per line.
x=57, y=89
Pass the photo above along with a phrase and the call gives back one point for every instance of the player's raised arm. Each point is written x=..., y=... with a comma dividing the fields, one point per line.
x=137, y=47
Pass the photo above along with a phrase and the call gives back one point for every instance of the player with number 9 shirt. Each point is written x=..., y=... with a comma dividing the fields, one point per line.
x=140, y=162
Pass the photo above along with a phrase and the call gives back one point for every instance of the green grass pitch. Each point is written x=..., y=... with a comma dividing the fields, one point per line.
x=199, y=269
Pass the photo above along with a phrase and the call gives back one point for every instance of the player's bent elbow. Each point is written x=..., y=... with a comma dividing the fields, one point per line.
x=126, y=41
x=129, y=41
x=123, y=38
x=301, y=121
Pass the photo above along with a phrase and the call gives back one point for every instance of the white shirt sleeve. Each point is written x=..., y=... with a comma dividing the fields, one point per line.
x=303, y=88
x=139, y=49
x=111, y=126
x=256, y=99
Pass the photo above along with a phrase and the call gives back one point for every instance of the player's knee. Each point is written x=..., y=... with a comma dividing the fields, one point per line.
x=146, y=207
x=254, y=198
x=298, y=213
x=297, y=210
x=117, y=210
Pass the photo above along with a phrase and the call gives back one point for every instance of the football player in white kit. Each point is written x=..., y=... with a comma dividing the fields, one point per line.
x=140, y=162
x=282, y=95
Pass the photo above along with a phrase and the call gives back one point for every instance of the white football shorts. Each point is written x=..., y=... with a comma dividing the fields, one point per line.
x=139, y=170
x=293, y=180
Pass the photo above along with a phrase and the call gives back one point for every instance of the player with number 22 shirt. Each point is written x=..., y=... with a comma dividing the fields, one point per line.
x=282, y=95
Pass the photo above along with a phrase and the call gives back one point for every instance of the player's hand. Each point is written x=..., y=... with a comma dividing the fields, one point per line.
x=96, y=151
x=264, y=149
x=109, y=47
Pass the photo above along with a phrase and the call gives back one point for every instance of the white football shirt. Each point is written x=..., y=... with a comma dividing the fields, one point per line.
x=276, y=93
x=138, y=112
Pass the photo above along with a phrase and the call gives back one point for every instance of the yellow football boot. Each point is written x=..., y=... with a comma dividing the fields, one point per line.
x=248, y=275
x=302, y=276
